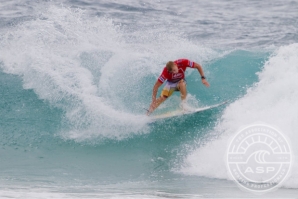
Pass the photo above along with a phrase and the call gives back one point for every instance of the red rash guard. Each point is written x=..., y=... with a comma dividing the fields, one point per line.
x=175, y=77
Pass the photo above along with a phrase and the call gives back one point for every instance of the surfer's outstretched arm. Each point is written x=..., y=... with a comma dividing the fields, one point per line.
x=200, y=69
x=155, y=102
x=155, y=89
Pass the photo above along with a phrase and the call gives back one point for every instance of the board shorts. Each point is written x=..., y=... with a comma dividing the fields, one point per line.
x=170, y=87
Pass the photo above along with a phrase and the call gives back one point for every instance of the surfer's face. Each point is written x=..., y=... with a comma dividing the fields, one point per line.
x=175, y=69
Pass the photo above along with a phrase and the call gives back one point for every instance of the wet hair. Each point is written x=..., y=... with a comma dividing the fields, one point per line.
x=170, y=65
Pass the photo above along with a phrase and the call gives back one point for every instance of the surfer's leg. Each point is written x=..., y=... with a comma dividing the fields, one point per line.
x=160, y=100
x=153, y=106
x=182, y=88
x=165, y=93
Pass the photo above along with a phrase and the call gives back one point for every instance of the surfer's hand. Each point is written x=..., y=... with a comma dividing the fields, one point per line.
x=151, y=106
x=204, y=81
x=148, y=112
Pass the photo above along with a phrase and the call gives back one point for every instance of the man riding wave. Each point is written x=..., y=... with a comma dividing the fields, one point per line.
x=174, y=75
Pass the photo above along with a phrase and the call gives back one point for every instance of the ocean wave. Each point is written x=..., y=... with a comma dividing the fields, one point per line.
x=272, y=100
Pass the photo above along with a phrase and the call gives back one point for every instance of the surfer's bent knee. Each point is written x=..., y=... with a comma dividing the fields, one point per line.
x=181, y=82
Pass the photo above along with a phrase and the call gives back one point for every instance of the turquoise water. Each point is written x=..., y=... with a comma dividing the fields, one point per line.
x=76, y=76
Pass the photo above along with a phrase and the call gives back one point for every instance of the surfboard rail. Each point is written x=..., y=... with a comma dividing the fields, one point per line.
x=177, y=113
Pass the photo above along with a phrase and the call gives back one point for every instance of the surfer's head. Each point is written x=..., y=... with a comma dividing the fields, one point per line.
x=172, y=67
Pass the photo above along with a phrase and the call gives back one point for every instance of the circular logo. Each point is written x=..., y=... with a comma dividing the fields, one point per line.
x=259, y=158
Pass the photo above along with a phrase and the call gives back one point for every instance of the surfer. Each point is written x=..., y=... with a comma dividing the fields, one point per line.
x=173, y=72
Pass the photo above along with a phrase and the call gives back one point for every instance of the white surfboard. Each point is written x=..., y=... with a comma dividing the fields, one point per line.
x=181, y=112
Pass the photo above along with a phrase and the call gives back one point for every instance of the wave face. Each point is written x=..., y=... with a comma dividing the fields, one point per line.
x=271, y=100
x=74, y=83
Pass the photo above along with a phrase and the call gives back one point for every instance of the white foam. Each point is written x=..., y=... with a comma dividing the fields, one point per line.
x=273, y=100
x=85, y=67
x=46, y=51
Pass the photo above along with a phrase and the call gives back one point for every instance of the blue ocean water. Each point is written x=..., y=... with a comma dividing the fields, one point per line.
x=76, y=75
